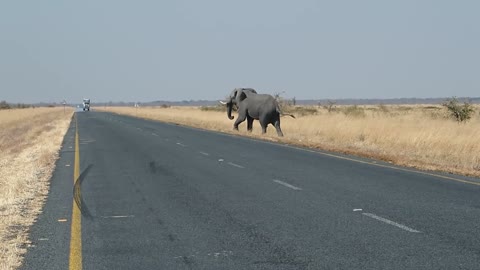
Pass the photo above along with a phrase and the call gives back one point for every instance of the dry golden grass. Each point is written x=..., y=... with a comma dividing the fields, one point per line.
x=29, y=143
x=419, y=136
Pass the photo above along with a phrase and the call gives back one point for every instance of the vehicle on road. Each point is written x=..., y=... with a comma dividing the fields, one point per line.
x=86, y=104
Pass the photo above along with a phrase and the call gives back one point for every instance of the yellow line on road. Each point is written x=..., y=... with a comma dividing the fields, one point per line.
x=75, y=258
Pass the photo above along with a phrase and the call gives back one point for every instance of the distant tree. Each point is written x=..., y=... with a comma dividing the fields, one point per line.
x=277, y=95
x=4, y=105
x=22, y=106
x=330, y=106
x=461, y=113
x=284, y=104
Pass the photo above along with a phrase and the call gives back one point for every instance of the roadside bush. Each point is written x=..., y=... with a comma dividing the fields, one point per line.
x=330, y=106
x=461, y=113
x=404, y=108
x=433, y=112
x=23, y=106
x=354, y=111
x=4, y=105
x=216, y=108
x=383, y=108
x=302, y=111
x=286, y=106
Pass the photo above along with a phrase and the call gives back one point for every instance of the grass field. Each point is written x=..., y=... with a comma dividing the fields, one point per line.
x=419, y=136
x=29, y=143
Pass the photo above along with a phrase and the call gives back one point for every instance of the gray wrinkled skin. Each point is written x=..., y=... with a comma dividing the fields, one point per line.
x=253, y=106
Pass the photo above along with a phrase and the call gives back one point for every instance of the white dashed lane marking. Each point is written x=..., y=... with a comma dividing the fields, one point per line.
x=236, y=165
x=393, y=223
x=129, y=216
x=204, y=153
x=181, y=144
x=286, y=184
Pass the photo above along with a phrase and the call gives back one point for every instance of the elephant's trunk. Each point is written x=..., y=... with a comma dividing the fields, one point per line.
x=229, y=110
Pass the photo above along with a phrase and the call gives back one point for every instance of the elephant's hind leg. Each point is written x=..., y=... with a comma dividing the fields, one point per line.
x=264, y=129
x=263, y=124
x=277, y=127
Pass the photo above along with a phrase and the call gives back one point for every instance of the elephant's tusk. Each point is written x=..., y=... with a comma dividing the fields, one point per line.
x=222, y=102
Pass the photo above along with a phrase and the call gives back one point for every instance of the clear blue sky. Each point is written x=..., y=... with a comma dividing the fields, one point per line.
x=182, y=50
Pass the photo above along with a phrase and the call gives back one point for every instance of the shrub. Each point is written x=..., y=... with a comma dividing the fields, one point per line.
x=216, y=108
x=404, y=108
x=22, y=106
x=383, y=108
x=302, y=111
x=4, y=105
x=330, y=106
x=354, y=111
x=460, y=113
x=284, y=104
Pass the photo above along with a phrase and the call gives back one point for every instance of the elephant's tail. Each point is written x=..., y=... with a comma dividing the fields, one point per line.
x=282, y=114
x=291, y=115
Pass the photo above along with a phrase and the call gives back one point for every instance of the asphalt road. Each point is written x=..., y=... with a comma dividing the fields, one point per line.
x=161, y=196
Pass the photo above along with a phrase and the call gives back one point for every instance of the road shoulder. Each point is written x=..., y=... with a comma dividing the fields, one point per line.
x=50, y=234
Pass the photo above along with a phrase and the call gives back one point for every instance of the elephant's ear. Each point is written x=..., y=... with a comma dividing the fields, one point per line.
x=241, y=95
x=234, y=93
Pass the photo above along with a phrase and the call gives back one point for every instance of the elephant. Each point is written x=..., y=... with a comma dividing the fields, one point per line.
x=251, y=106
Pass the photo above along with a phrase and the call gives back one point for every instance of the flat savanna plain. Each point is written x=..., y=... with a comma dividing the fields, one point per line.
x=29, y=143
x=418, y=136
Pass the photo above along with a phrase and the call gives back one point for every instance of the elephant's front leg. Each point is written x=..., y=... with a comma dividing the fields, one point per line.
x=241, y=117
x=249, y=123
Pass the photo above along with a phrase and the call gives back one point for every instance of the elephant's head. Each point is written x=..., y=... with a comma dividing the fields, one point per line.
x=237, y=96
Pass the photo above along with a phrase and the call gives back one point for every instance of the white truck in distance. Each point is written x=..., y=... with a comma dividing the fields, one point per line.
x=86, y=104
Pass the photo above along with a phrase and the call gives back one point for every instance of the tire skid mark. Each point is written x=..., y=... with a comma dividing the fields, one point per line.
x=77, y=193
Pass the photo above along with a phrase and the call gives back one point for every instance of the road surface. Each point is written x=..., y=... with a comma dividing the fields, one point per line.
x=161, y=196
